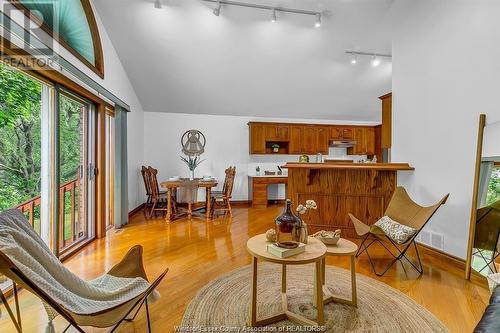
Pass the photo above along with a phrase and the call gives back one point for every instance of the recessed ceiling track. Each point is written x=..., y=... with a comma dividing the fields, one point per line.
x=276, y=8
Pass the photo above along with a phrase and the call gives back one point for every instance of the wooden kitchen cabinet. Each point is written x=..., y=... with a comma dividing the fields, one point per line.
x=295, y=144
x=341, y=133
x=365, y=141
x=257, y=139
x=309, y=140
x=277, y=132
x=298, y=139
x=322, y=140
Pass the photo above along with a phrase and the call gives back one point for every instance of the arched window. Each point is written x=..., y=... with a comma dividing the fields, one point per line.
x=72, y=24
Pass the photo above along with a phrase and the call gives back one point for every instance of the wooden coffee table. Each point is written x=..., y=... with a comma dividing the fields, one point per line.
x=315, y=253
x=344, y=248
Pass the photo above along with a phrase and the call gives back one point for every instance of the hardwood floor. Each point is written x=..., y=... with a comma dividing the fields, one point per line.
x=197, y=252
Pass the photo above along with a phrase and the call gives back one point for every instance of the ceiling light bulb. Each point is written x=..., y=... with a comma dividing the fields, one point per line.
x=318, y=20
x=274, y=18
x=217, y=9
x=158, y=4
x=375, y=61
x=354, y=59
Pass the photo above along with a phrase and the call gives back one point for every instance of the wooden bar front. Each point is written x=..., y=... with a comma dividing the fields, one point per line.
x=363, y=190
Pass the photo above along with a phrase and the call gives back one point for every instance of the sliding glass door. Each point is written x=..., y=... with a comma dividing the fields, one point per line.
x=76, y=170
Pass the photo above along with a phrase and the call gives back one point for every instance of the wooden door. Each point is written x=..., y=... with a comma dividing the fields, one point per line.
x=359, y=137
x=369, y=143
x=282, y=132
x=257, y=139
x=295, y=144
x=322, y=137
x=347, y=133
x=310, y=140
x=336, y=133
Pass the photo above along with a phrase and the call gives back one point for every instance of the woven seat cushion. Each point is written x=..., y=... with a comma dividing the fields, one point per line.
x=396, y=231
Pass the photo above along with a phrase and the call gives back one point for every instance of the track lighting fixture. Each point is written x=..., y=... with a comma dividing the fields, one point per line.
x=274, y=10
x=318, y=20
x=375, y=57
x=217, y=9
x=158, y=4
x=274, y=18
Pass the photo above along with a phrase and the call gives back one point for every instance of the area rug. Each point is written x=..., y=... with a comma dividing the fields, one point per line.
x=224, y=302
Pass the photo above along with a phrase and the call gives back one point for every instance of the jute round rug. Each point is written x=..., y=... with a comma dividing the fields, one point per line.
x=224, y=302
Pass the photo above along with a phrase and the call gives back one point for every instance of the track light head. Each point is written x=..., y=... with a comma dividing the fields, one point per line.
x=375, y=61
x=318, y=20
x=158, y=4
x=217, y=9
x=354, y=59
x=274, y=17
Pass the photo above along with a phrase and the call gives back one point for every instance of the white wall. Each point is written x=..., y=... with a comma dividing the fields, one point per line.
x=227, y=144
x=445, y=73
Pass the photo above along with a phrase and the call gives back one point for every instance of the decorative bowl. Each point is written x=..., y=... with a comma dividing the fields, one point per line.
x=328, y=237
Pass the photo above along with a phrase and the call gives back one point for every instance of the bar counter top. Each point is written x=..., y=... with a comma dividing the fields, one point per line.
x=351, y=166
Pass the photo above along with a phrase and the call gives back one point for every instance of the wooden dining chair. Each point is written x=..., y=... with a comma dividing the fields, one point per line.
x=220, y=200
x=147, y=186
x=158, y=198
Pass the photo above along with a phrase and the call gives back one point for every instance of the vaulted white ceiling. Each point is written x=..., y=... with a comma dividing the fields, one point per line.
x=182, y=58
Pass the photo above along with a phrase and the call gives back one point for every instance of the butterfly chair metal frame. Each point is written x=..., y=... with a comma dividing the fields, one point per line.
x=405, y=211
x=131, y=266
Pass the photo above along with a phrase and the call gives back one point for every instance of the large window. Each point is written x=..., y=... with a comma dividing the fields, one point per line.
x=32, y=114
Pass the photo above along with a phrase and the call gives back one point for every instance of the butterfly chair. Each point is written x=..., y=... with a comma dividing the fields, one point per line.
x=28, y=262
x=487, y=235
x=221, y=199
x=405, y=211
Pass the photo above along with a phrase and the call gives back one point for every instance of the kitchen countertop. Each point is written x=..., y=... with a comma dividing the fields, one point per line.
x=268, y=176
x=351, y=166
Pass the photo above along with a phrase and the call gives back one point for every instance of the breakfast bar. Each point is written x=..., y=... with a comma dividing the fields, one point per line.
x=362, y=189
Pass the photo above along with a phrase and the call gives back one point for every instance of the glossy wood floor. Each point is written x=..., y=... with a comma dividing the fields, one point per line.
x=197, y=252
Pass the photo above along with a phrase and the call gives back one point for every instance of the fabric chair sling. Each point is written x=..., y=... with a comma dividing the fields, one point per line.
x=130, y=267
x=221, y=200
x=405, y=211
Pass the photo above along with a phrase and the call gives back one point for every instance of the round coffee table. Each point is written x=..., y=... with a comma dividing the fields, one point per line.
x=314, y=253
x=344, y=248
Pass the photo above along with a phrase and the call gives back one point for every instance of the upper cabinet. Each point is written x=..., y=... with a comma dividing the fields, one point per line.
x=365, y=141
x=298, y=139
x=277, y=132
x=341, y=133
x=257, y=138
x=386, y=132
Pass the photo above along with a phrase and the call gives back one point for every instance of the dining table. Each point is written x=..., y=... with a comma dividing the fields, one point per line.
x=172, y=185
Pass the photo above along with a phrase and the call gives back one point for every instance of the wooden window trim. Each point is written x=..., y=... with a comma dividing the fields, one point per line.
x=98, y=68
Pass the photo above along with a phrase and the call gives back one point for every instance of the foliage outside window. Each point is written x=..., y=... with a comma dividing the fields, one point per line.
x=494, y=187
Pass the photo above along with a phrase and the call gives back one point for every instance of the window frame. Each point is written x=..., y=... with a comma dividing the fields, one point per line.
x=98, y=68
